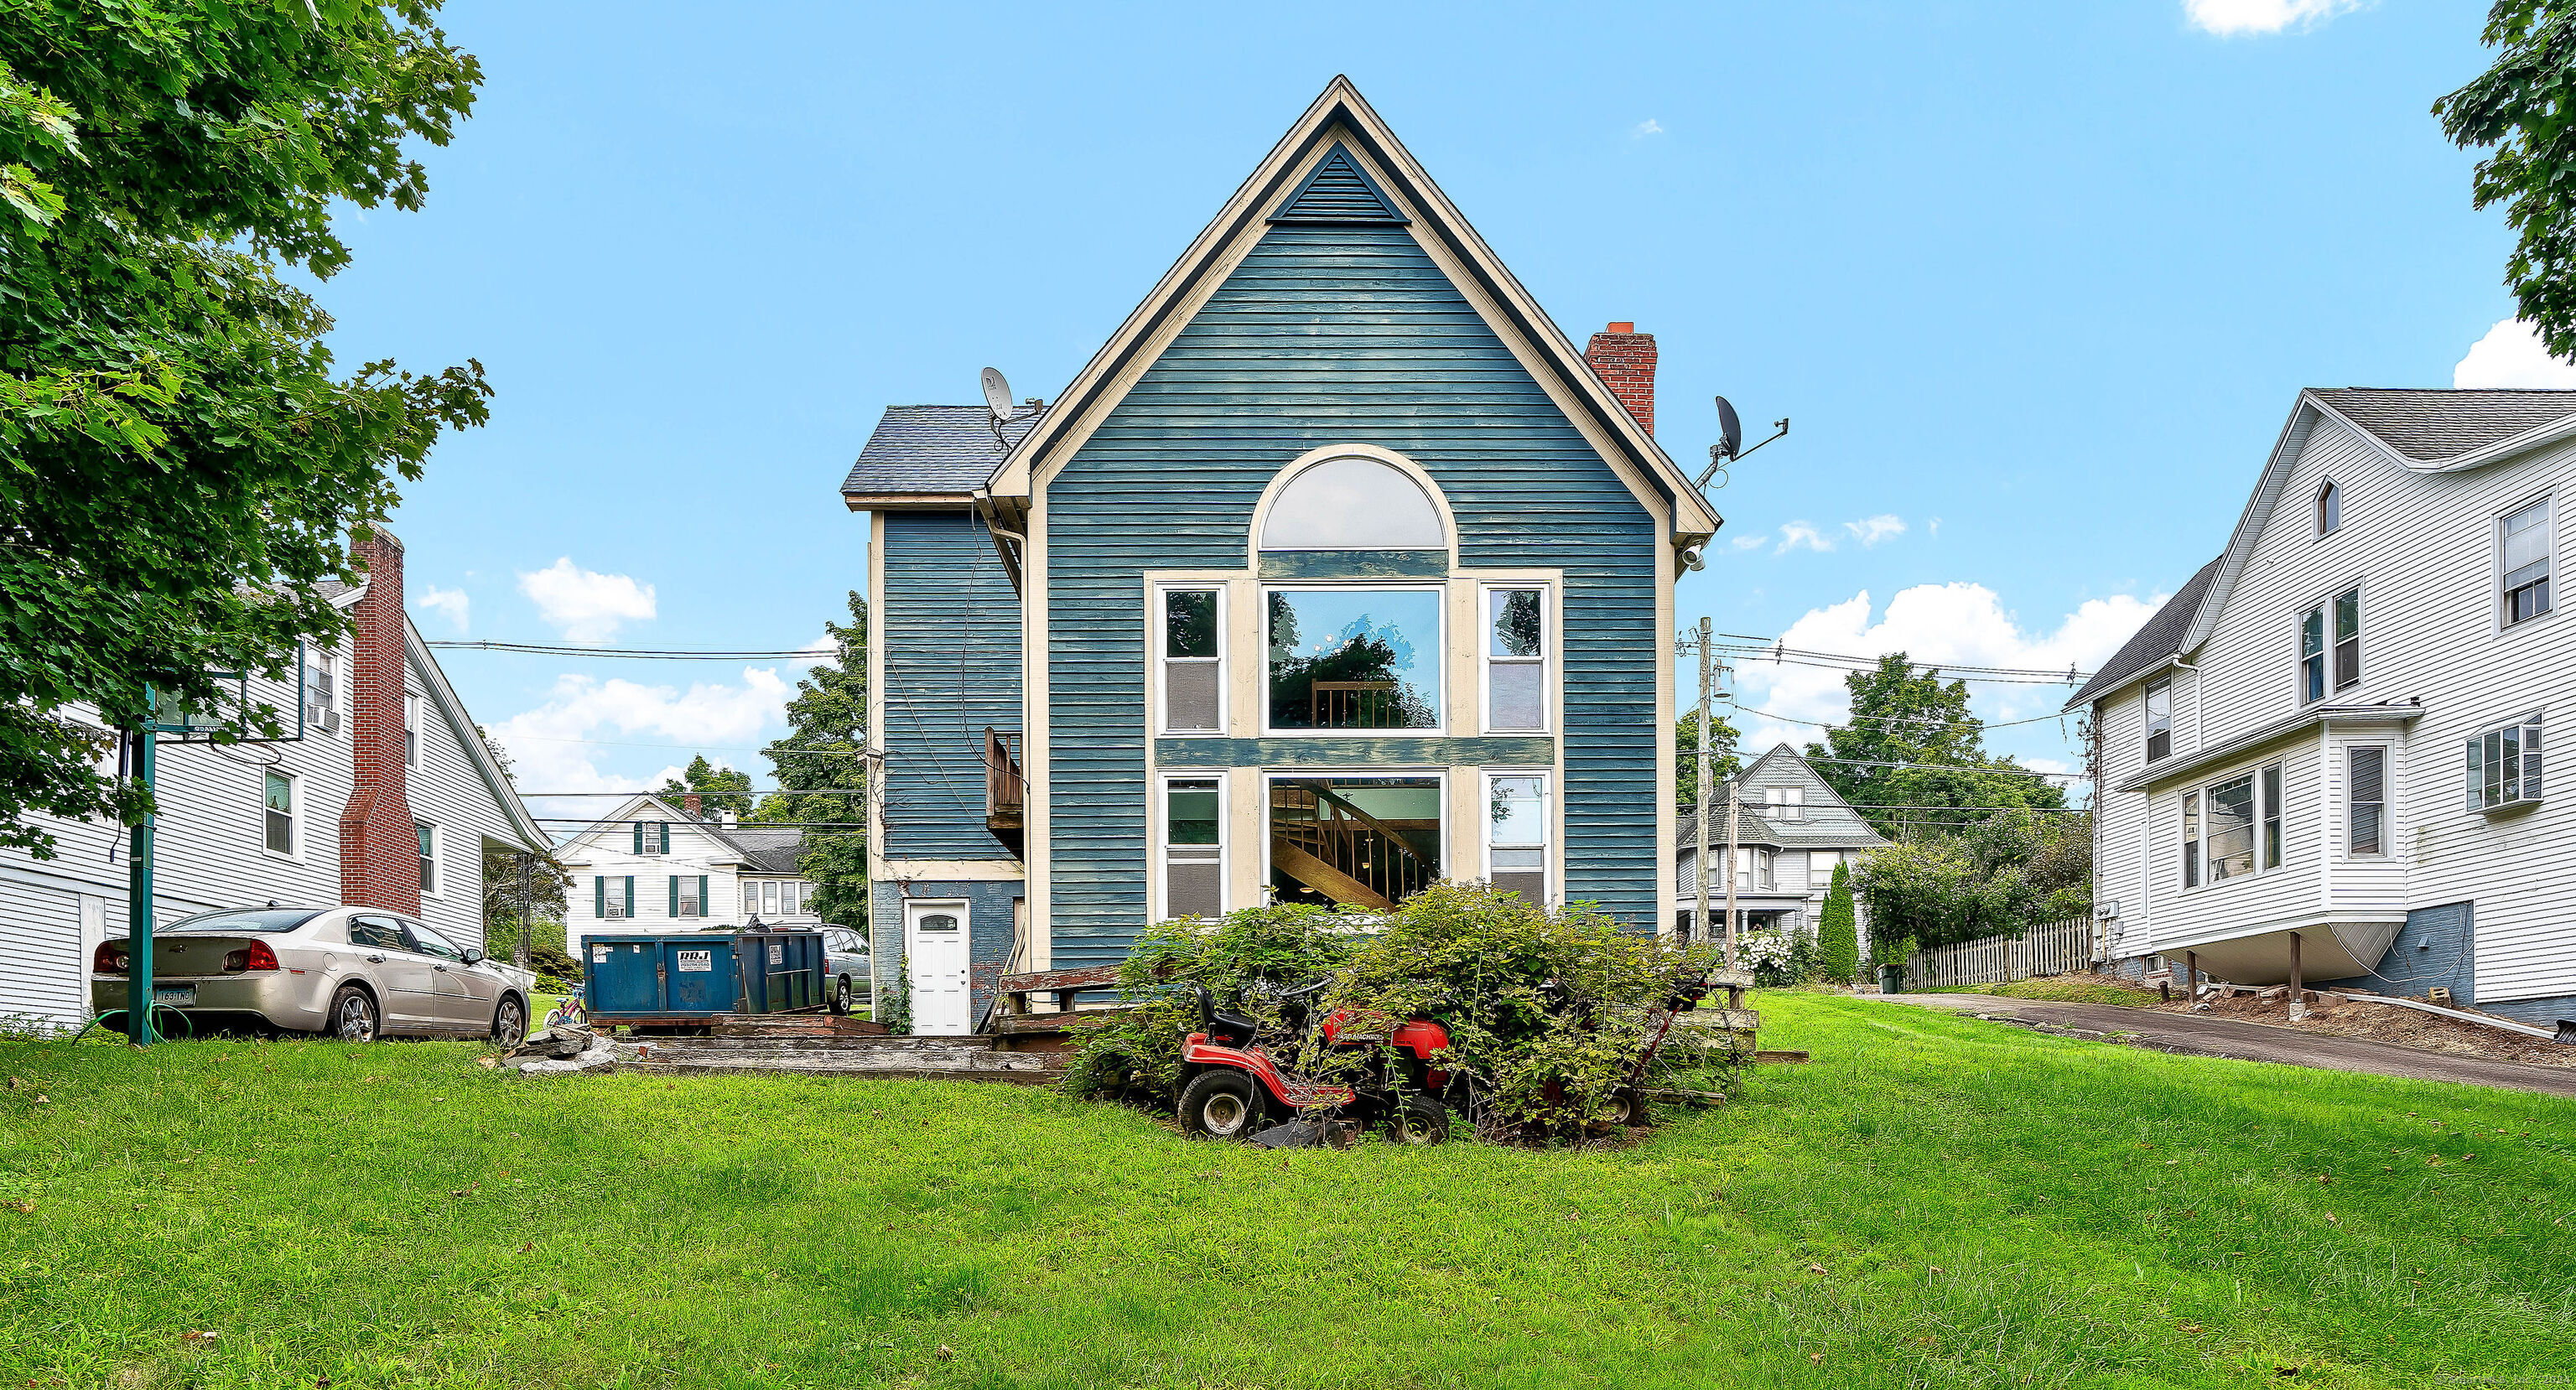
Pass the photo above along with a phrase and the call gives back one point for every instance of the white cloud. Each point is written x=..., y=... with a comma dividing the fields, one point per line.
x=2511, y=355
x=1871, y=530
x=1644, y=128
x=1956, y=624
x=2229, y=18
x=1754, y=541
x=454, y=603
x=1935, y=525
x=586, y=606
x=1794, y=534
x=548, y=742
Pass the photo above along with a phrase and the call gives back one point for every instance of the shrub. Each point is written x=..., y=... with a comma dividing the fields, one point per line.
x=1837, y=936
x=551, y=960
x=896, y=1010
x=1243, y=960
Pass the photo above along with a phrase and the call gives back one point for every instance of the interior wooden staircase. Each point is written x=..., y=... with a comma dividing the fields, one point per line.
x=1323, y=841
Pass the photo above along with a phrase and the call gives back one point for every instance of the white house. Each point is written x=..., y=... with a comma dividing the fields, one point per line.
x=1792, y=828
x=388, y=800
x=2330, y=740
x=651, y=867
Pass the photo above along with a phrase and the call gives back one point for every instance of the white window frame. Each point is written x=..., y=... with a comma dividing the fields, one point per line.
x=411, y=730
x=750, y=897
x=1440, y=663
x=1790, y=806
x=1830, y=859
x=2162, y=685
x=1158, y=890
x=1549, y=868
x=2495, y=530
x=1448, y=823
x=322, y=691
x=624, y=898
x=1223, y=661
x=2197, y=797
x=434, y=880
x=294, y=850
x=2387, y=799
x=2532, y=749
x=2361, y=639
x=1486, y=660
x=687, y=886
x=2317, y=509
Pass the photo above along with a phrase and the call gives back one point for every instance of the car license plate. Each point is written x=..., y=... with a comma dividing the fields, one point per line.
x=174, y=994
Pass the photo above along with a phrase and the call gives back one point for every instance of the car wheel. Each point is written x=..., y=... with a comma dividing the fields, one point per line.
x=353, y=1015
x=841, y=996
x=1219, y=1105
x=510, y=1022
x=1420, y=1120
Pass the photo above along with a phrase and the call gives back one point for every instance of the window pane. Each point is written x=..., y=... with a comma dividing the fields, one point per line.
x=769, y=898
x=1364, y=841
x=2191, y=840
x=1520, y=623
x=2348, y=615
x=1189, y=623
x=281, y=794
x=1354, y=659
x=1190, y=812
x=936, y=922
x=2312, y=633
x=431, y=943
x=1519, y=690
x=2272, y=817
x=1352, y=504
x=1191, y=696
x=2329, y=509
x=428, y=860
x=1516, y=812
x=2366, y=785
x=1194, y=888
x=2231, y=828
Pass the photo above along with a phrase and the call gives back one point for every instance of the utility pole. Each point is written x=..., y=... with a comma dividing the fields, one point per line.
x=1731, y=852
x=1699, y=806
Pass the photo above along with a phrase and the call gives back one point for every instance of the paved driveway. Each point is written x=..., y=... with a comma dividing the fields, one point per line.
x=2199, y=1035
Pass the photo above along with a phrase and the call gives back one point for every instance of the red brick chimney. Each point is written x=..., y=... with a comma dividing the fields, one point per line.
x=689, y=804
x=379, y=845
x=1625, y=361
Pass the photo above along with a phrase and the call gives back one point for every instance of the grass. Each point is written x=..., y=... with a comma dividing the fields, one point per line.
x=1935, y=1201
x=2061, y=989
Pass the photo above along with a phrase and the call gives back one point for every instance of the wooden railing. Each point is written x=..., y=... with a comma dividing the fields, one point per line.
x=1341, y=851
x=1004, y=788
x=2055, y=949
x=1355, y=705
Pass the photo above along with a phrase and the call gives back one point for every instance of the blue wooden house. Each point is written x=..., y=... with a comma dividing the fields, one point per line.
x=1337, y=571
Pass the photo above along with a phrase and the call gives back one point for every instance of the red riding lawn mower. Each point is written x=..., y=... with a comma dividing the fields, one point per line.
x=1232, y=1087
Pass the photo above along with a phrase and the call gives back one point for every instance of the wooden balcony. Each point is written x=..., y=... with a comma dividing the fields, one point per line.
x=1005, y=790
x=1354, y=705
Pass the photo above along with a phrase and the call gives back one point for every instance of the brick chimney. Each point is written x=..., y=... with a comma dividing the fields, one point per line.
x=379, y=845
x=1625, y=361
x=689, y=804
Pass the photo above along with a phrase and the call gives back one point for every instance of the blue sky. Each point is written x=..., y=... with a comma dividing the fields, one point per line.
x=2036, y=283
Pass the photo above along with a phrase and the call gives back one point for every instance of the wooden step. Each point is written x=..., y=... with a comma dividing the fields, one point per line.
x=953, y=1064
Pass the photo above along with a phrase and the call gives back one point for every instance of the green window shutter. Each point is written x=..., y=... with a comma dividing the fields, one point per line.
x=675, y=895
x=630, y=895
x=705, y=908
x=599, y=896
x=639, y=837
x=664, y=829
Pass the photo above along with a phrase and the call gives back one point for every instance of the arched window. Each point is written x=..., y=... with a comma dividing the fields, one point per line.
x=1352, y=503
x=2329, y=509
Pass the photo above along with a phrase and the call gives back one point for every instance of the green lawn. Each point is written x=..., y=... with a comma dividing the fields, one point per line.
x=1935, y=1201
x=2063, y=989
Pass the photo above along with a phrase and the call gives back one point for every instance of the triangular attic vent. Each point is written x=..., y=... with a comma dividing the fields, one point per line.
x=1338, y=191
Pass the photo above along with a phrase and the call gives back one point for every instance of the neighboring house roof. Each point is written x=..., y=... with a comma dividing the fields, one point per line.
x=761, y=849
x=933, y=451
x=2158, y=638
x=2423, y=431
x=1341, y=124
x=1825, y=820
x=768, y=851
x=2439, y=426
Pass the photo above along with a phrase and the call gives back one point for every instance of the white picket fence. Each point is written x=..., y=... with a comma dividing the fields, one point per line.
x=2050, y=950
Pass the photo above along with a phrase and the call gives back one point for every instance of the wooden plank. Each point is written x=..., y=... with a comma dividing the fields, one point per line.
x=1779, y=1056
x=1045, y=981
x=1017, y=1024
x=1720, y=1020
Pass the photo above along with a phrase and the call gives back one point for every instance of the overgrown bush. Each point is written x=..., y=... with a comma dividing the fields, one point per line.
x=553, y=960
x=1547, y=1012
x=895, y=1010
x=1779, y=960
x=2009, y=873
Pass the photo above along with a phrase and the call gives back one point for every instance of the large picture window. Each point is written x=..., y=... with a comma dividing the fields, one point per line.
x=1353, y=659
x=1516, y=660
x=2523, y=554
x=1193, y=847
x=1516, y=835
x=2231, y=828
x=1367, y=842
x=1192, y=633
x=2504, y=766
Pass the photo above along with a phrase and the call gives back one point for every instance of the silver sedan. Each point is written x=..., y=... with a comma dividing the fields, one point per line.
x=353, y=972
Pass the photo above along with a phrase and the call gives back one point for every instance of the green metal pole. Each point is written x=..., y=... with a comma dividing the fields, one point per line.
x=138, y=900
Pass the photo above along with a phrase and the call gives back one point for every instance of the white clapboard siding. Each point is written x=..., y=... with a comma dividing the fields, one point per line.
x=2055, y=949
x=2422, y=548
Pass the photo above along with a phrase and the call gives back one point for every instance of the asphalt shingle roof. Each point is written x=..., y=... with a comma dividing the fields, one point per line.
x=768, y=851
x=933, y=450
x=2430, y=426
x=2161, y=637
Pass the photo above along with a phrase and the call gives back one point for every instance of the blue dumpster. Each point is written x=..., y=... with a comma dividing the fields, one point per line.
x=782, y=971
x=652, y=977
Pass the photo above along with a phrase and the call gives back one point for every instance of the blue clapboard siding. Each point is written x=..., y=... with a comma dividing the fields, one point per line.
x=2436, y=947
x=1336, y=334
x=1337, y=192
x=949, y=624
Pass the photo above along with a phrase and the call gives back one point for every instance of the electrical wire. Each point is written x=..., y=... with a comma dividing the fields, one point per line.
x=625, y=653
x=1748, y=644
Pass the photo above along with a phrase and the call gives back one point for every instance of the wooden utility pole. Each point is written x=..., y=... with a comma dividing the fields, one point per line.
x=1732, y=820
x=1699, y=806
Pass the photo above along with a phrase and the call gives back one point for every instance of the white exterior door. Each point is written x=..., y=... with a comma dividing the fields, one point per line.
x=935, y=938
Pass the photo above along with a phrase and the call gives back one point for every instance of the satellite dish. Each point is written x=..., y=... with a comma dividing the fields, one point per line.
x=997, y=394
x=1730, y=431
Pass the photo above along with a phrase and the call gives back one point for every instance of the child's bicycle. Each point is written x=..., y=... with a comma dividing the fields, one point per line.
x=569, y=1013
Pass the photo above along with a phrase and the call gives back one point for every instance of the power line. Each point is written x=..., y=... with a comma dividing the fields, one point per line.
x=629, y=653
x=723, y=791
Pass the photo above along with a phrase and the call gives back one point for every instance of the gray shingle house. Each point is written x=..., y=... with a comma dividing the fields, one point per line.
x=1792, y=829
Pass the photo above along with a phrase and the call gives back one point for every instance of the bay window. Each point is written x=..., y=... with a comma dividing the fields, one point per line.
x=2231, y=828
x=2504, y=766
